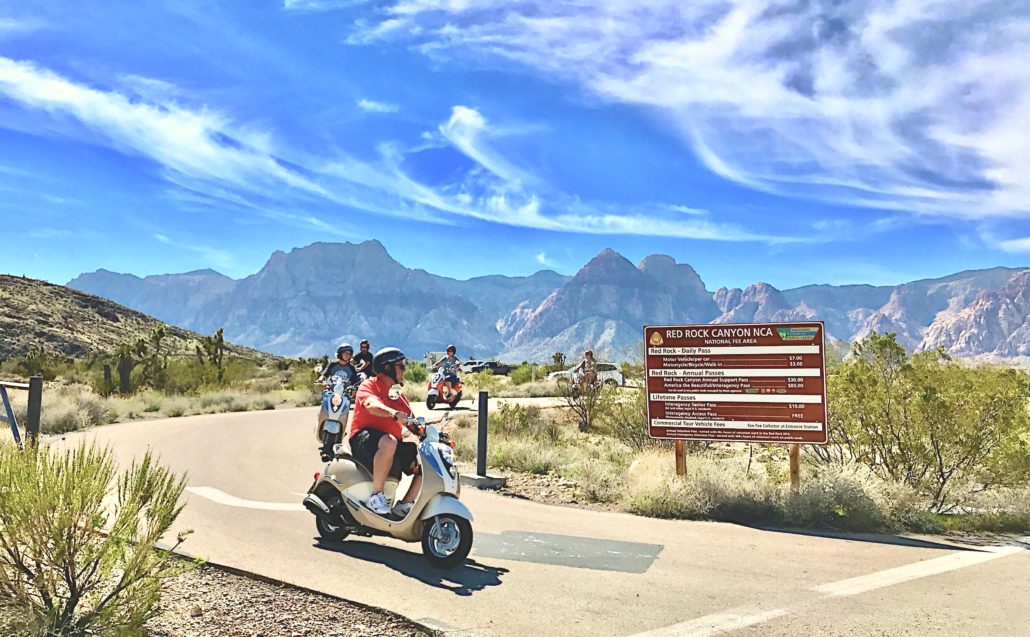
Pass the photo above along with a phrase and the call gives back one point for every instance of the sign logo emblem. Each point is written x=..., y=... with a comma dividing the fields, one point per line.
x=656, y=339
x=798, y=333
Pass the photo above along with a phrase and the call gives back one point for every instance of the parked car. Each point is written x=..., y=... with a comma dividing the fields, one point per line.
x=497, y=369
x=467, y=366
x=606, y=373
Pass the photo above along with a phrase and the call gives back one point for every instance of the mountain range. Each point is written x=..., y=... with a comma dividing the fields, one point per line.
x=305, y=302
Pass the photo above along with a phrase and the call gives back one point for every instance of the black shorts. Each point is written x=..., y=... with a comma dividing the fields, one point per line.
x=365, y=444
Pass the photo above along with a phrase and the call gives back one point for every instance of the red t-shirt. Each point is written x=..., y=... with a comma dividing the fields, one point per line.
x=364, y=419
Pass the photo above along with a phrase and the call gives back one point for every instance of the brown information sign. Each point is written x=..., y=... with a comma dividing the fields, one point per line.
x=761, y=382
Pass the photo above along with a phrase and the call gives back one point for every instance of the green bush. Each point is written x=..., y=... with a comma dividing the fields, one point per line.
x=523, y=374
x=942, y=427
x=415, y=372
x=75, y=564
x=483, y=381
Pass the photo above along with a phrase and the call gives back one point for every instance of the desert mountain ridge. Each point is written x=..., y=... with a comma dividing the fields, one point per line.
x=306, y=301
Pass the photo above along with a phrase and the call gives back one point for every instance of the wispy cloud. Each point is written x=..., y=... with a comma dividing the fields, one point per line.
x=319, y=5
x=467, y=130
x=15, y=26
x=199, y=144
x=914, y=105
x=371, y=106
x=214, y=256
x=541, y=258
x=1015, y=245
x=202, y=151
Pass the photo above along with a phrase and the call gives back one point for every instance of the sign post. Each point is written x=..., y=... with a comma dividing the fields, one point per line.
x=758, y=382
x=681, y=458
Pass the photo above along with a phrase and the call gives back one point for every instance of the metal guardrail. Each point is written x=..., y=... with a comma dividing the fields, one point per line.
x=35, y=408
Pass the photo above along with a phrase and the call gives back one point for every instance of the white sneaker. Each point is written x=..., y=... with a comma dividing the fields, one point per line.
x=401, y=509
x=377, y=503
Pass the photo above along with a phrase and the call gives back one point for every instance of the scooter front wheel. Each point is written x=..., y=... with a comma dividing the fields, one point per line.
x=446, y=540
x=329, y=532
x=430, y=401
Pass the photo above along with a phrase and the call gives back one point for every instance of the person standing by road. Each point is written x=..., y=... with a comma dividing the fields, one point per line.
x=363, y=359
x=587, y=369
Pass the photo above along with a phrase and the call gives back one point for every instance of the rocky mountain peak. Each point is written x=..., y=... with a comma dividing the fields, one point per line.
x=608, y=267
x=667, y=272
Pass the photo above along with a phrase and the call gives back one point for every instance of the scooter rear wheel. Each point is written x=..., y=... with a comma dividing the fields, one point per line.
x=446, y=540
x=329, y=532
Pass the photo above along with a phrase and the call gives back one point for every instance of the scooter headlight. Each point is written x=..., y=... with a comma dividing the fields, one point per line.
x=447, y=454
x=337, y=401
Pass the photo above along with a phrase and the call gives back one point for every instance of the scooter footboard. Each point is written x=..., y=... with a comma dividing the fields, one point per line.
x=444, y=503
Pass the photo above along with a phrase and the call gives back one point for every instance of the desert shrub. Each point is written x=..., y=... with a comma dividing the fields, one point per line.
x=998, y=511
x=589, y=405
x=522, y=374
x=941, y=427
x=415, y=372
x=483, y=381
x=66, y=408
x=75, y=564
x=526, y=455
x=626, y=421
x=175, y=407
x=845, y=497
x=510, y=419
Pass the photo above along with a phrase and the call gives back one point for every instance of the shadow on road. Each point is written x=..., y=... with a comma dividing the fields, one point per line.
x=464, y=580
x=875, y=538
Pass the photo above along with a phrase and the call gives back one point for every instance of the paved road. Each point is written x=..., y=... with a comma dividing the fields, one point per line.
x=546, y=570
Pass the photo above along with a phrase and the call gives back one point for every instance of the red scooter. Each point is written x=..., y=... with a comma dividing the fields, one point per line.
x=436, y=389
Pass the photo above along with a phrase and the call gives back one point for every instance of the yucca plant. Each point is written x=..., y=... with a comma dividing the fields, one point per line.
x=77, y=540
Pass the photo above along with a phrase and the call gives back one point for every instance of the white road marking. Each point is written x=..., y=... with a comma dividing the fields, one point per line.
x=723, y=622
x=716, y=623
x=221, y=497
x=926, y=568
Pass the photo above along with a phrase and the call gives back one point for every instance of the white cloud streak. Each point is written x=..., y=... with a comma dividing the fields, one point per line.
x=541, y=258
x=200, y=144
x=920, y=105
x=372, y=106
x=1015, y=245
x=213, y=256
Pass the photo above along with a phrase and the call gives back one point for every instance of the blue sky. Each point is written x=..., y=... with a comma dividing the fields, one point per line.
x=790, y=143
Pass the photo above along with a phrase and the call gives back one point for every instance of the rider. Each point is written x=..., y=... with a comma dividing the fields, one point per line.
x=588, y=367
x=376, y=429
x=450, y=364
x=363, y=359
x=341, y=366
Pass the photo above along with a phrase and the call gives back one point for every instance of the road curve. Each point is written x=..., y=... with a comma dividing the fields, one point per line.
x=545, y=570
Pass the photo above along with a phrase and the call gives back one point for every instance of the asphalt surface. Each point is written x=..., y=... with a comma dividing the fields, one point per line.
x=537, y=569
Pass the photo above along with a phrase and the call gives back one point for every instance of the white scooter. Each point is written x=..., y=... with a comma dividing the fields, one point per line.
x=437, y=518
x=337, y=395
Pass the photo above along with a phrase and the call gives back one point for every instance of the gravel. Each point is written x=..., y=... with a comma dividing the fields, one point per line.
x=211, y=602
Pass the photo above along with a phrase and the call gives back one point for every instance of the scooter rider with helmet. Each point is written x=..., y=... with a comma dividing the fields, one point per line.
x=450, y=364
x=341, y=366
x=377, y=427
x=363, y=359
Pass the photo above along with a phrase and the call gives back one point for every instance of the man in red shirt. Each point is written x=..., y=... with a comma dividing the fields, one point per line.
x=377, y=427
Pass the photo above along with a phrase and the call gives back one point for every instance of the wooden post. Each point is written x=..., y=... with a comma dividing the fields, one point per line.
x=795, y=467
x=681, y=458
x=35, y=408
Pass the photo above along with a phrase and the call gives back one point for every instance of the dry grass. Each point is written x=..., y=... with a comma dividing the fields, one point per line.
x=69, y=407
